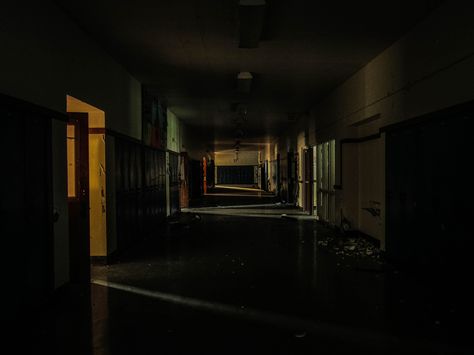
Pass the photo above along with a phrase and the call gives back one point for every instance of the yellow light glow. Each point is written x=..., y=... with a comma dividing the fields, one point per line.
x=71, y=161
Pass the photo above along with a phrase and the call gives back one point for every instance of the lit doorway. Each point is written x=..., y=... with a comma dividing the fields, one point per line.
x=86, y=187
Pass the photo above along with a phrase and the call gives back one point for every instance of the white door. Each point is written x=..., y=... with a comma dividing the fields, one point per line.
x=325, y=162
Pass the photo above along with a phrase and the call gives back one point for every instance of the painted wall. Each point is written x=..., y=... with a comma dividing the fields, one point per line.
x=350, y=184
x=111, y=195
x=97, y=195
x=371, y=181
x=227, y=158
x=45, y=56
x=430, y=68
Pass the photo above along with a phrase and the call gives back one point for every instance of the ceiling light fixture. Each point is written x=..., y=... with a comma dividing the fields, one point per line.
x=244, y=82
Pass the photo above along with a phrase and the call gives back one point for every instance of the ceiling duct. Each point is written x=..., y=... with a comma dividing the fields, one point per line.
x=251, y=18
x=244, y=82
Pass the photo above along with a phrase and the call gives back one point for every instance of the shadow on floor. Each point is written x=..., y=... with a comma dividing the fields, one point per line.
x=234, y=285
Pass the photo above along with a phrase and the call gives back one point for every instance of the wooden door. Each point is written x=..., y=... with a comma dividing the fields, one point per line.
x=78, y=197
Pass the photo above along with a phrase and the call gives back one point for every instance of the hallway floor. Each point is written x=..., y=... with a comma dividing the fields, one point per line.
x=224, y=284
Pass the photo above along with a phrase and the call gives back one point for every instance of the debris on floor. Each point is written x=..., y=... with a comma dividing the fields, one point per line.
x=357, y=247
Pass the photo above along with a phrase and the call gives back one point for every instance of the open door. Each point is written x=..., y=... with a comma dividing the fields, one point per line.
x=308, y=180
x=325, y=181
x=78, y=197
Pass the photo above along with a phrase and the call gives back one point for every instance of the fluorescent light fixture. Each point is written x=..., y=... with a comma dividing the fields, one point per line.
x=244, y=82
x=245, y=75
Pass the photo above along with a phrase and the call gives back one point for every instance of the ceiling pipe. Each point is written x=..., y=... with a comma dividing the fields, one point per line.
x=251, y=19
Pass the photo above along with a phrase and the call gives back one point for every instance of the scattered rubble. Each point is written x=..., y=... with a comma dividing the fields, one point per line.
x=357, y=247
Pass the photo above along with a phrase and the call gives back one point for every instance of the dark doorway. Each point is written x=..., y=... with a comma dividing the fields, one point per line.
x=292, y=183
x=78, y=197
x=236, y=175
x=308, y=180
x=195, y=179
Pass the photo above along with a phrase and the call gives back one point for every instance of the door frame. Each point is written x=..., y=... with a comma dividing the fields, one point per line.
x=308, y=179
x=79, y=245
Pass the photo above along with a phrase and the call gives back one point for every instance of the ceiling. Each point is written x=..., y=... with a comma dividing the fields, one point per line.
x=187, y=52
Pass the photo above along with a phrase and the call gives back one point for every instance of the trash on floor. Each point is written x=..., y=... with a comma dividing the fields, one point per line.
x=357, y=247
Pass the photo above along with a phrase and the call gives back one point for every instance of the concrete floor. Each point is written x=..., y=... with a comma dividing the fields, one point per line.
x=228, y=196
x=240, y=285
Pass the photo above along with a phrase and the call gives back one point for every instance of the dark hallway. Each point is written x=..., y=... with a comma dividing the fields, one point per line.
x=232, y=284
x=237, y=176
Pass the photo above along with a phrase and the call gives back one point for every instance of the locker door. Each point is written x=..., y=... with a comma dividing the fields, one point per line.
x=26, y=210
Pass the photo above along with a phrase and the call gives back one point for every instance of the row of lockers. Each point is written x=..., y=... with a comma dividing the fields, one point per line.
x=140, y=174
x=137, y=166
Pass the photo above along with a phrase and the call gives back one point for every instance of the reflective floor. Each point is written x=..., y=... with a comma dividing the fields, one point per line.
x=216, y=284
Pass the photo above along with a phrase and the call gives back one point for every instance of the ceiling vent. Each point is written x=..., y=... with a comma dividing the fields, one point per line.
x=251, y=18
